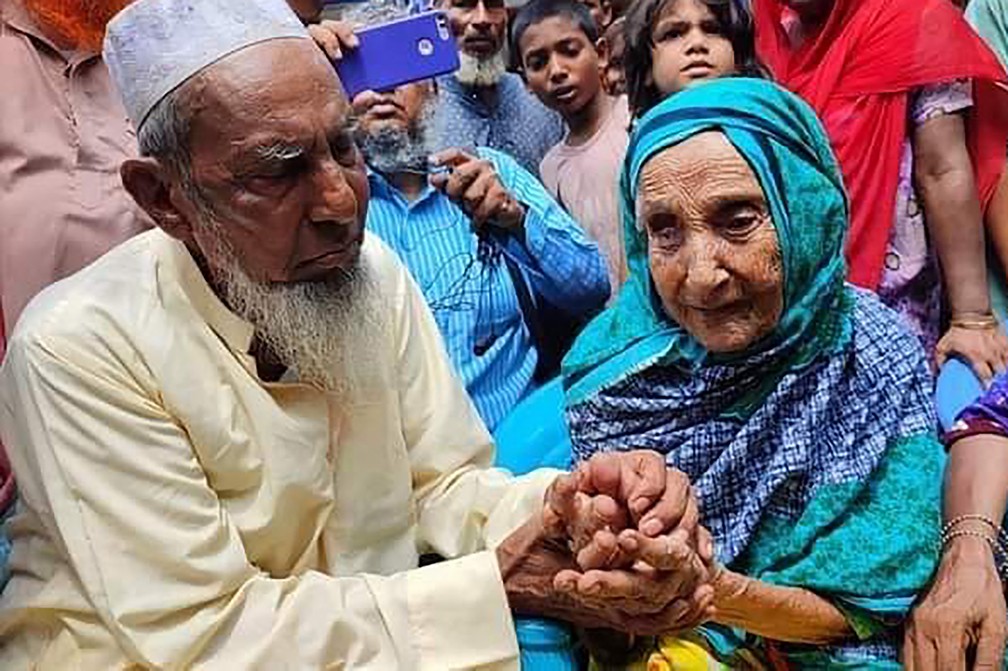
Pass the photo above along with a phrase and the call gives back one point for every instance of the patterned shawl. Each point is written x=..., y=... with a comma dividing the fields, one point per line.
x=813, y=452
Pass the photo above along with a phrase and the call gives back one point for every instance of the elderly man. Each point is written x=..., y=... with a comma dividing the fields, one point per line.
x=484, y=105
x=63, y=137
x=479, y=241
x=235, y=434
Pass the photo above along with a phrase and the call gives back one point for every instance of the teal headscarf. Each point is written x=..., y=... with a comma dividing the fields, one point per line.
x=786, y=146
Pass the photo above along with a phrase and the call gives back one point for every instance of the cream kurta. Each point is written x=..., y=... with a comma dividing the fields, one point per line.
x=176, y=511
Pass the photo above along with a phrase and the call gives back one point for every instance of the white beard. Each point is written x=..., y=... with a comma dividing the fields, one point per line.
x=324, y=331
x=481, y=71
x=392, y=149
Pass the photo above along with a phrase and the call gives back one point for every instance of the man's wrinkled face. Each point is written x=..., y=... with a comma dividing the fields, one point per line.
x=400, y=108
x=78, y=25
x=274, y=209
x=273, y=153
x=480, y=26
x=712, y=247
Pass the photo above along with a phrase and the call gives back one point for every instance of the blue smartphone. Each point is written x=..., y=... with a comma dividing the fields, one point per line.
x=399, y=52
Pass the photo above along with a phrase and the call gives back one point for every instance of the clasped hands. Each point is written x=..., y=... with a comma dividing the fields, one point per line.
x=618, y=546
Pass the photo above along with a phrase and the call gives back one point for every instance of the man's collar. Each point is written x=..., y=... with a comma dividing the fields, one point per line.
x=17, y=16
x=183, y=275
x=382, y=187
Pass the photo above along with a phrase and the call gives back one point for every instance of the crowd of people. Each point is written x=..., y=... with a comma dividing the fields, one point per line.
x=256, y=335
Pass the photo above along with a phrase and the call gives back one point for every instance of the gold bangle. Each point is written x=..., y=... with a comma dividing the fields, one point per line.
x=978, y=323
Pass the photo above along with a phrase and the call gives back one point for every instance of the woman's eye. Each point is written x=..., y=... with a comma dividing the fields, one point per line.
x=664, y=232
x=740, y=224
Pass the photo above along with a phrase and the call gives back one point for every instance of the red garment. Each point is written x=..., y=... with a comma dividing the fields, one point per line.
x=6, y=476
x=858, y=72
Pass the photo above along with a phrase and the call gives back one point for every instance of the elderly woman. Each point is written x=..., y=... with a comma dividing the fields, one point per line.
x=799, y=406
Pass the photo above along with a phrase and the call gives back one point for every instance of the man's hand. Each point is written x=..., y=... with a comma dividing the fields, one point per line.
x=529, y=559
x=656, y=576
x=334, y=37
x=532, y=557
x=473, y=183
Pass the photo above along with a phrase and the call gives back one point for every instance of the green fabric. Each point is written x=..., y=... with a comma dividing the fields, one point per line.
x=879, y=537
x=784, y=143
x=990, y=19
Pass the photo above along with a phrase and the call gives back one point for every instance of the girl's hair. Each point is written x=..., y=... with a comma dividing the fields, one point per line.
x=735, y=22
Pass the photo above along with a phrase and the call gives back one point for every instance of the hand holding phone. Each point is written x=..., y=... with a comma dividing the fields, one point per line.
x=334, y=37
x=386, y=56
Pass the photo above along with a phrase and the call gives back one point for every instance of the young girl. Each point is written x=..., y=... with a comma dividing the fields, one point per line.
x=671, y=44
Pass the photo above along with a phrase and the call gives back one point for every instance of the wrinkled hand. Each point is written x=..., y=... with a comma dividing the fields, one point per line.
x=334, y=37
x=986, y=350
x=473, y=183
x=529, y=560
x=616, y=491
x=633, y=528
x=665, y=590
x=964, y=609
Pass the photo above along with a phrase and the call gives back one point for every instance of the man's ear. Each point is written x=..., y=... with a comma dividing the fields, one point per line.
x=147, y=181
x=602, y=49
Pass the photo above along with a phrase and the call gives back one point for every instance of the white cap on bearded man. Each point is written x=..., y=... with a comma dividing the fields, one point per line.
x=154, y=46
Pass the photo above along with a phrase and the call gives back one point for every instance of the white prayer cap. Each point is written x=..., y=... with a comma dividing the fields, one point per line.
x=154, y=46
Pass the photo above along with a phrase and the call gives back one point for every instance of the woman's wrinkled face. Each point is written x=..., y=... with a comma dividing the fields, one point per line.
x=712, y=247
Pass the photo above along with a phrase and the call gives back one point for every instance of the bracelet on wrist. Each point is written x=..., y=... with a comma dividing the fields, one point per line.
x=997, y=541
x=974, y=321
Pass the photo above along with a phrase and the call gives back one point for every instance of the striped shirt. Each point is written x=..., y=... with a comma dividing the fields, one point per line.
x=506, y=117
x=467, y=284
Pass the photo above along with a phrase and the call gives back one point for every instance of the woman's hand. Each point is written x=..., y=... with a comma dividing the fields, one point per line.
x=963, y=610
x=986, y=350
